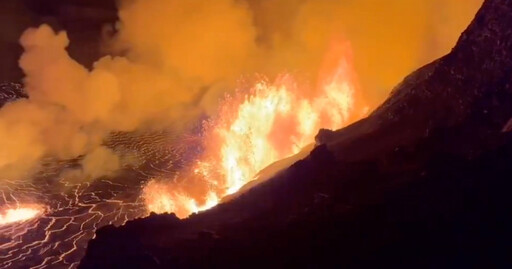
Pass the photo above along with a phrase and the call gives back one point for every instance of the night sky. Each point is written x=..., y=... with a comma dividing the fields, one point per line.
x=84, y=20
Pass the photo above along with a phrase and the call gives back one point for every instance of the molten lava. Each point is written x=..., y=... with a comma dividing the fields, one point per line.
x=20, y=214
x=256, y=127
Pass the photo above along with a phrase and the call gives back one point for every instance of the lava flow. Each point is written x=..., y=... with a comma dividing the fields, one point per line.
x=256, y=127
x=53, y=230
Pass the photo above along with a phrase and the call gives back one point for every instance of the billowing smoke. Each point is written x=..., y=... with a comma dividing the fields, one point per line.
x=174, y=59
x=389, y=38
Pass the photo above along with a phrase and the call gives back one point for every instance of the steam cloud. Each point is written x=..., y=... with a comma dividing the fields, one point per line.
x=176, y=58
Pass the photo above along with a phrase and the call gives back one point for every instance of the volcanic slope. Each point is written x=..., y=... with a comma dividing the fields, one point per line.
x=423, y=182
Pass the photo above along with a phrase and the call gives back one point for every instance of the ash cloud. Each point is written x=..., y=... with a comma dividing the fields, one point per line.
x=172, y=60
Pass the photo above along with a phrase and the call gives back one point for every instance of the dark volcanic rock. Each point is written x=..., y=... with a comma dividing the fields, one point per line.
x=423, y=182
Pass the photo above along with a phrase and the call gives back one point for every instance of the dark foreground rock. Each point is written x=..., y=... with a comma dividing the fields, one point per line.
x=424, y=182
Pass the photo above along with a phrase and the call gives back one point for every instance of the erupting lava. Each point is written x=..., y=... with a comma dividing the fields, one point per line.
x=255, y=128
x=20, y=214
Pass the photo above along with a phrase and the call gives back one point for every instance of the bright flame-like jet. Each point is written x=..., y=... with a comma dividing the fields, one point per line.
x=255, y=128
x=21, y=213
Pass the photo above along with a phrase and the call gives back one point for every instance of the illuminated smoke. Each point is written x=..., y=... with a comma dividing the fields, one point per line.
x=176, y=58
x=173, y=60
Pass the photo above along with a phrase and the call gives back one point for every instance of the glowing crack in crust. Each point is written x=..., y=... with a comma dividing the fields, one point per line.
x=57, y=236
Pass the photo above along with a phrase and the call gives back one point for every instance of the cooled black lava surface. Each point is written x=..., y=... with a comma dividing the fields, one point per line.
x=423, y=182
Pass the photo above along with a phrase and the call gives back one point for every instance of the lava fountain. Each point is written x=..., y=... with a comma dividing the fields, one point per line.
x=256, y=127
x=21, y=213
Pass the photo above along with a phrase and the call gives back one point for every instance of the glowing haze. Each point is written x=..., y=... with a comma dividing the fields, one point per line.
x=174, y=60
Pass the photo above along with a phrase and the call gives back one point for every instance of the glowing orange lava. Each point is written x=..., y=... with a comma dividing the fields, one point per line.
x=20, y=214
x=255, y=128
